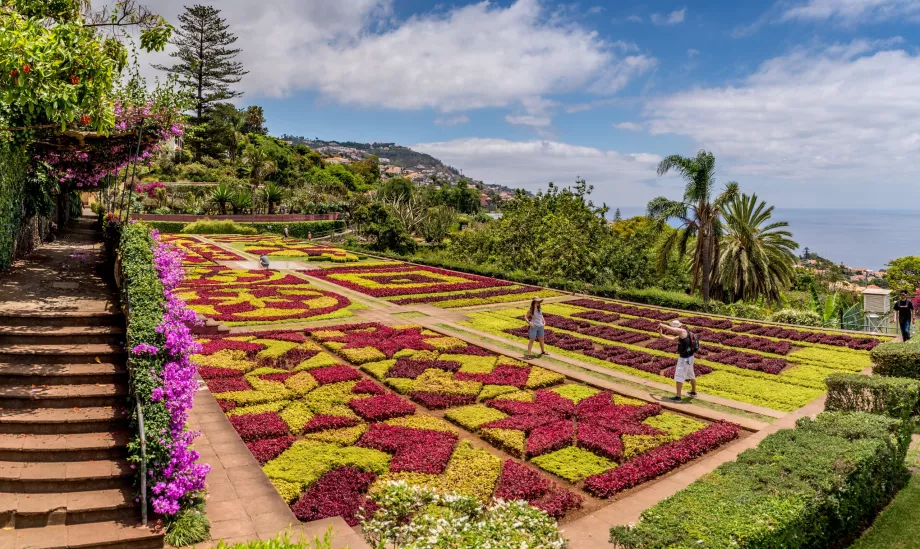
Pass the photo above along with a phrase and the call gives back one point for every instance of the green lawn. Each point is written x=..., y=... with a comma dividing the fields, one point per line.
x=896, y=527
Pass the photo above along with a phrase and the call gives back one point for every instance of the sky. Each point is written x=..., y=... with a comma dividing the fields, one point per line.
x=808, y=103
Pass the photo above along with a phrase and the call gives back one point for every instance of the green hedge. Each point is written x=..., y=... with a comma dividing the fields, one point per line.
x=302, y=229
x=808, y=487
x=13, y=166
x=895, y=397
x=215, y=226
x=166, y=227
x=896, y=359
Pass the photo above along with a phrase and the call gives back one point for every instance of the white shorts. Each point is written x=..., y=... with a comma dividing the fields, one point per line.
x=684, y=370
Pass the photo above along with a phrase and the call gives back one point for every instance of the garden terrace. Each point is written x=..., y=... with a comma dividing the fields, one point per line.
x=275, y=246
x=765, y=369
x=200, y=253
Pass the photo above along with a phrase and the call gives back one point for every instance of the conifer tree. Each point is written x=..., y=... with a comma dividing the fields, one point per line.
x=205, y=63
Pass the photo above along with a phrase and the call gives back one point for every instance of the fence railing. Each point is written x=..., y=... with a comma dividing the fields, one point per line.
x=273, y=218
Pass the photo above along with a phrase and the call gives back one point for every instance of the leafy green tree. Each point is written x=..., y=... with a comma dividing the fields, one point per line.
x=904, y=274
x=260, y=165
x=438, y=222
x=273, y=195
x=351, y=181
x=699, y=215
x=220, y=196
x=205, y=62
x=254, y=120
x=396, y=188
x=368, y=169
x=757, y=255
x=225, y=132
x=376, y=222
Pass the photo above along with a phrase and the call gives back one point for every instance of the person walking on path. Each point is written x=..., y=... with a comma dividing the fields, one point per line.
x=905, y=309
x=687, y=346
x=534, y=318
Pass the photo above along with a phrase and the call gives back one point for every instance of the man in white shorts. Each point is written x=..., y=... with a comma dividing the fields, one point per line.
x=686, y=347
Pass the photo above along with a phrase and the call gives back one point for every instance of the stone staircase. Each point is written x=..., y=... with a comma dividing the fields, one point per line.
x=64, y=479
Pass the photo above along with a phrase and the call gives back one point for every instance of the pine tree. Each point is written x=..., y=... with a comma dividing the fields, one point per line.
x=206, y=63
x=617, y=216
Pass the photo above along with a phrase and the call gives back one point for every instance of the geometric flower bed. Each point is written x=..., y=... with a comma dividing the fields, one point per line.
x=576, y=432
x=758, y=369
x=199, y=253
x=404, y=284
x=277, y=247
x=247, y=297
x=326, y=435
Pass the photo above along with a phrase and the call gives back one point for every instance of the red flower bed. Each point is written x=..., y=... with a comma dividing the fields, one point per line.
x=598, y=316
x=623, y=309
x=698, y=370
x=661, y=460
x=226, y=405
x=414, y=450
x=208, y=373
x=385, y=339
x=467, y=295
x=837, y=340
x=226, y=384
x=381, y=407
x=585, y=328
x=215, y=345
x=323, y=422
x=513, y=407
x=501, y=375
x=438, y=401
x=549, y=438
x=268, y=449
x=217, y=297
x=523, y=423
x=748, y=361
x=553, y=401
x=473, y=282
x=704, y=322
x=600, y=441
x=519, y=482
x=366, y=386
x=411, y=369
x=334, y=374
x=279, y=377
x=338, y=493
x=257, y=426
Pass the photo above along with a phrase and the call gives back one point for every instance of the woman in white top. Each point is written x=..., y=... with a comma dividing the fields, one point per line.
x=534, y=317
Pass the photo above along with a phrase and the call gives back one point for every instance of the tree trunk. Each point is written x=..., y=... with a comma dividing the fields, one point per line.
x=706, y=235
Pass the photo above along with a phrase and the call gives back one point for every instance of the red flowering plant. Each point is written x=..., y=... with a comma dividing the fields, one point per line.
x=338, y=493
x=381, y=407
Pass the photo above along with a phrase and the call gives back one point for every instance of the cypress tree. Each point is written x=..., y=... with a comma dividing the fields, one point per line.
x=206, y=62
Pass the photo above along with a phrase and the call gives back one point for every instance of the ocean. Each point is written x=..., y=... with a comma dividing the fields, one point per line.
x=857, y=238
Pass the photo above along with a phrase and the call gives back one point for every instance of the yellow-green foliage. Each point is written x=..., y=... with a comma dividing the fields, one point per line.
x=276, y=406
x=362, y=355
x=320, y=400
x=297, y=415
x=343, y=437
x=470, y=364
x=378, y=369
x=301, y=383
x=520, y=396
x=574, y=392
x=510, y=440
x=492, y=391
x=439, y=381
x=320, y=360
x=633, y=445
x=471, y=417
x=226, y=358
x=446, y=343
x=621, y=400
x=327, y=334
x=422, y=422
x=400, y=384
x=289, y=491
x=676, y=426
x=307, y=460
x=274, y=348
x=573, y=463
x=247, y=398
x=541, y=377
x=416, y=355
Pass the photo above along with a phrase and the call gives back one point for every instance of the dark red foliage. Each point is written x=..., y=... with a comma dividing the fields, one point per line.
x=268, y=449
x=212, y=373
x=381, y=407
x=411, y=369
x=226, y=384
x=279, y=377
x=656, y=314
x=705, y=322
x=466, y=295
x=551, y=437
x=323, y=422
x=438, y=401
x=598, y=316
x=334, y=374
x=513, y=407
x=473, y=282
x=226, y=405
x=519, y=482
x=551, y=400
x=600, y=400
x=698, y=370
x=257, y=426
x=661, y=460
x=501, y=375
x=415, y=450
x=471, y=350
x=600, y=441
x=368, y=387
x=215, y=345
x=338, y=493
x=523, y=423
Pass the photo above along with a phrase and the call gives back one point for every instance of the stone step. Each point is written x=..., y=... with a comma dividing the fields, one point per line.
x=74, y=447
x=61, y=421
x=99, y=535
x=44, y=477
x=62, y=354
x=53, y=509
x=60, y=335
x=63, y=396
x=61, y=374
x=61, y=318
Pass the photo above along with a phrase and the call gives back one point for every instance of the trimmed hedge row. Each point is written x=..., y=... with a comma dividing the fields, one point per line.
x=166, y=227
x=896, y=359
x=808, y=487
x=895, y=397
x=296, y=229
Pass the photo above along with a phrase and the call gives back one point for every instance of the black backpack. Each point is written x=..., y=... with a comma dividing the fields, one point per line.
x=694, y=342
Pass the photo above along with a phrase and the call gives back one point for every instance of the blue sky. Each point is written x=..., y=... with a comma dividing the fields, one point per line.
x=809, y=103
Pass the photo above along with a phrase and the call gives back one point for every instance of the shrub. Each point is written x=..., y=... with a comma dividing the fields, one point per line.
x=896, y=359
x=795, y=316
x=895, y=397
x=282, y=541
x=213, y=226
x=188, y=527
x=302, y=229
x=573, y=463
x=167, y=227
x=807, y=487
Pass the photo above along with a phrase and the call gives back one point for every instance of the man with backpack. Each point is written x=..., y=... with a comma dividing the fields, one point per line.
x=687, y=346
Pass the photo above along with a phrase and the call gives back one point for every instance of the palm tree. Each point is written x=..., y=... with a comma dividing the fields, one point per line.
x=261, y=166
x=757, y=258
x=240, y=201
x=273, y=194
x=699, y=215
x=221, y=196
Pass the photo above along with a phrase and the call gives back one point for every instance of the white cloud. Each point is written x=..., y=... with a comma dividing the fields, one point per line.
x=852, y=11
x=840, y=118
x=672, y=18
x=630, y=126
x=634, y=19
x=475, y=56
x=452, y=120
x=619, y=178
x=529, y=120
x=692, y=52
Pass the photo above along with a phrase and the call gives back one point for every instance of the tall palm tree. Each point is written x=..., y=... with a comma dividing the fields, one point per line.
x=261, y=166
x=699, y=214
x=757, y=258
